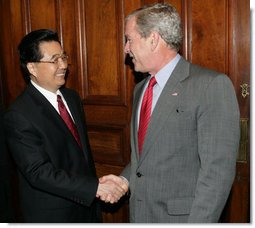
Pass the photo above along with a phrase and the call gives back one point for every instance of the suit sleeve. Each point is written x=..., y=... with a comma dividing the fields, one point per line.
x=126, y=172
x=218, y=141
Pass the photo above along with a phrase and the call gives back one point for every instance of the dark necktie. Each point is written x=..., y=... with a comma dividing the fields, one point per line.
x=145, y=113
x=67, y=119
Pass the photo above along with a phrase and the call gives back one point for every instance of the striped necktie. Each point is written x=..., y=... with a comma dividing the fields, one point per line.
x=145, y=113
x=67, y=119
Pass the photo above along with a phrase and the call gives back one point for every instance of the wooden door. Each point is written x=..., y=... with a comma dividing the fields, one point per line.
x=216, y=35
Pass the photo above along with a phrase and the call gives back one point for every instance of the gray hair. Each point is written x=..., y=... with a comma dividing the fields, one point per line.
x=161, y=18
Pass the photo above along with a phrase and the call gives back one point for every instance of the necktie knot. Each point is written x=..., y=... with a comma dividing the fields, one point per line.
x=152, y=82
x=60, y=101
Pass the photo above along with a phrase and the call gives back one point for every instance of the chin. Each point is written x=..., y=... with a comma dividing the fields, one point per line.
x=60, y=84
x=62, y=80
x=137, y=69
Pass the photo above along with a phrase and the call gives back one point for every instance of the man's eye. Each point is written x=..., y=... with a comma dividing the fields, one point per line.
x=55, y=60
x=64, y=58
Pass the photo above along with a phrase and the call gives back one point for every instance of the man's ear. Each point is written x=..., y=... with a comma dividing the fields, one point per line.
x=31, y=68
x=154, y=36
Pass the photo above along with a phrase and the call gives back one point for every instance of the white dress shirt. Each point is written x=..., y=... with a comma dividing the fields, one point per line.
x=51, y=97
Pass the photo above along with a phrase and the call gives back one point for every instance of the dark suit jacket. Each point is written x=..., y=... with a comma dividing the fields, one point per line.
x=187, y=165
x=58, y=181
x=6, y=212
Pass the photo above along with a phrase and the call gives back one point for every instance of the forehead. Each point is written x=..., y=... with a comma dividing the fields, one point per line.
x=50, y=48
x=130, y=27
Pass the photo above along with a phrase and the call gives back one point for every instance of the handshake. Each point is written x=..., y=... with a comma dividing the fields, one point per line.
x=111, y=188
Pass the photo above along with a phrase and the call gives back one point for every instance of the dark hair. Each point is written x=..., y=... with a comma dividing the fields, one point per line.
x=29, y=50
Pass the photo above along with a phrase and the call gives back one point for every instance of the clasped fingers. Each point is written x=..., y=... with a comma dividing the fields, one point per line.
x=111, y=188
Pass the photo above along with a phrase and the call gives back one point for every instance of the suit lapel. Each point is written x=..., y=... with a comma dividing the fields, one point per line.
x=75, y=114
x=134, y=120
x=43, y=105
x=49, y=112
x=73, y=109
x=166, y=104
x=78, y=118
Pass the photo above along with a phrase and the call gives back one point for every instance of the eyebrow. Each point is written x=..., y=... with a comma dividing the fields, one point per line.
x=56, y=55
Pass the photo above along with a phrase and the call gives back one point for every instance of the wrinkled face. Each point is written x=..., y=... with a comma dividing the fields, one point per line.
x=138, y=48
x=49, y=72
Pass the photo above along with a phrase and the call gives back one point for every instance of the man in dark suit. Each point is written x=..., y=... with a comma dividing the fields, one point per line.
x=183, y=163
x=58, y=181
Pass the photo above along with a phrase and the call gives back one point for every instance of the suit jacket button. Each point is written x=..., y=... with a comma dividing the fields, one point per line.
x=138, y=174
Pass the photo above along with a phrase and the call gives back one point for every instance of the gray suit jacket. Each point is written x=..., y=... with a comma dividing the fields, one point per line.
x=188, y=162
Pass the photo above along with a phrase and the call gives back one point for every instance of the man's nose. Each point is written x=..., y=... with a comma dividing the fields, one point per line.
x=62, y=63
x=126, y=48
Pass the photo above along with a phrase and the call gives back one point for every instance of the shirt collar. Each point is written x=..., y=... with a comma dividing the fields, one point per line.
x=48, y=94
x=164, y=74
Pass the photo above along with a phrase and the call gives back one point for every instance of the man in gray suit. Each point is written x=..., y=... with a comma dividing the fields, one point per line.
x=184, y=169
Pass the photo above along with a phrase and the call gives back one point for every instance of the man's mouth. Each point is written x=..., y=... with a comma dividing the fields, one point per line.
x=62, y=74
x=132, y=57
